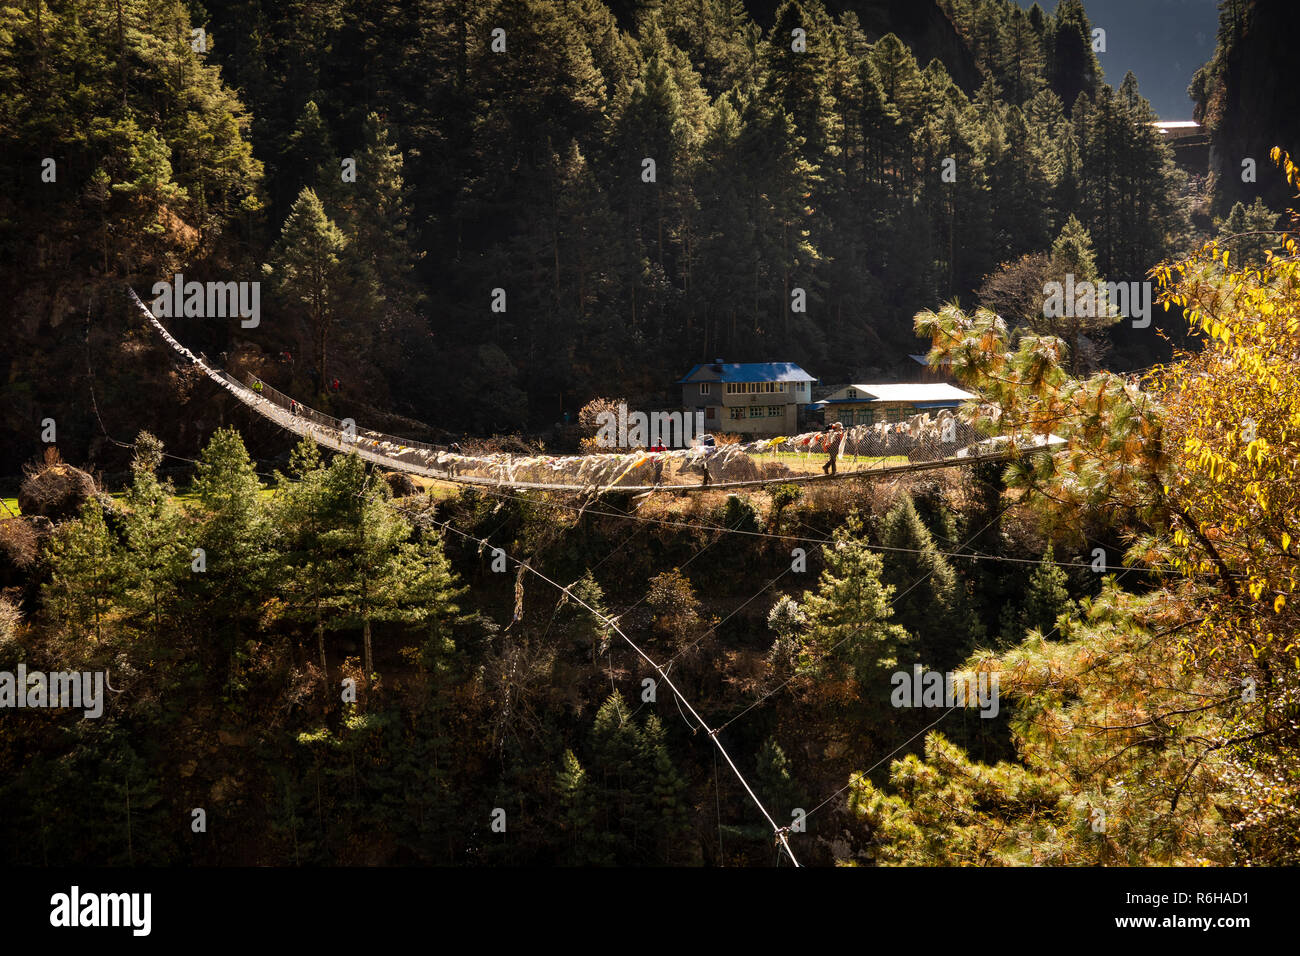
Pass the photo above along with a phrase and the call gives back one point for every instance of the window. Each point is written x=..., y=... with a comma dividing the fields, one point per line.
x=867, y=416
x=737, y=413
x=852, y=393
x=775, y=411
x=897, y=413
x=704, y=388
x=756, y=388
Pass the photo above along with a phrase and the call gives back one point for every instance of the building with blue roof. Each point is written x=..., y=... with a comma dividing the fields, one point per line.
x=751, y=398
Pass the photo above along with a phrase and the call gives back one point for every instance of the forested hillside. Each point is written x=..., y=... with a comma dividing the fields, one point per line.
x=853, y=171
x=471, y=219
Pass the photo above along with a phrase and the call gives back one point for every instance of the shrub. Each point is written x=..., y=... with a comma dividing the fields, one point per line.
x=54, y=489
x=783, y=496
x=673, y=601
x=739, y=514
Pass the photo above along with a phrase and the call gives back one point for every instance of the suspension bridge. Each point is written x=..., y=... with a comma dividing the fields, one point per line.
x=867, y=451
x=918, y=444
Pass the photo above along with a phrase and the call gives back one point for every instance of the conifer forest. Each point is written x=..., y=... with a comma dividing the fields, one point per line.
x=648, y=433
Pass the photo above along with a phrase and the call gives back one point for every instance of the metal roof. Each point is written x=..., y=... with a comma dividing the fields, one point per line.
x=913, y=393
x=747, y=372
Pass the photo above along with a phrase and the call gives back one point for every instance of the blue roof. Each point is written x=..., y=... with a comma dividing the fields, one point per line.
x=748, y=372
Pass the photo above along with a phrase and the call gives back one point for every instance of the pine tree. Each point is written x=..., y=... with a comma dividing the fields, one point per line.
x=376, y=217
x=987, y=38
x=1021, y=58
x=1089, y=315
x=928, y=590
x=1072, y=66
x=1254, y=224
x=588, y=627
x=87, y=574
x=310, y=161
x=578, y=814
x=159, y=555
x=236, y=541
x=1046, y=597
x=800, y=81
x=377, y=572
x=309, y=271
x=311, y=555
x=849, y=632
x=665, y=799
x=900, y=78
x=615, y=746
x=773, y=779
x=1018, y=180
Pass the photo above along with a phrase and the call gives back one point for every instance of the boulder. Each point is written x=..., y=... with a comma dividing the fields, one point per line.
x=401, y=484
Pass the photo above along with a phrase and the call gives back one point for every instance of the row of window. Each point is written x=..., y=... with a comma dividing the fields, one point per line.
x=751, y=388
x=741, y=412
x=867, y=416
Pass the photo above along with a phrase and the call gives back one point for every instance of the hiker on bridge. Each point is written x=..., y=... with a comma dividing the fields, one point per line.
x=832, y=439
x=707, y=444
x=657, y=451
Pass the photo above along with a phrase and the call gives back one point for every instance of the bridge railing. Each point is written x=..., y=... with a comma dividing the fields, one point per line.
x=921, y=443
x=317, y=417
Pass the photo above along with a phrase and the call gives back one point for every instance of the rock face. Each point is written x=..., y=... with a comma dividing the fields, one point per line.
x=55, y=491
x=1248, y=103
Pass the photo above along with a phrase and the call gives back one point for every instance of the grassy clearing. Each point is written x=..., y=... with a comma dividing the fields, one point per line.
x=435, y=488
x=813, y=461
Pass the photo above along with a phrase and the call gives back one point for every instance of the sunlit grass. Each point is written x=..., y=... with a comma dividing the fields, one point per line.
x=814, y=460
